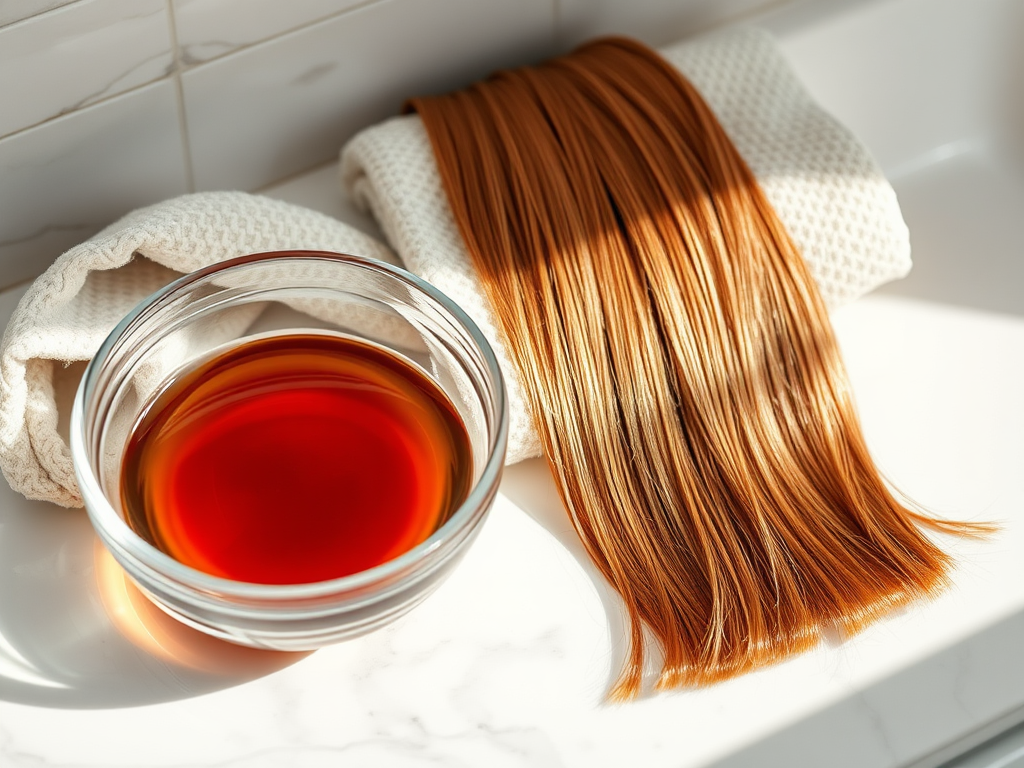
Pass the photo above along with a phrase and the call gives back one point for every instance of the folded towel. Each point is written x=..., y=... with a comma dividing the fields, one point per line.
x=824, y=185
x=827, y=190
x=70, y=308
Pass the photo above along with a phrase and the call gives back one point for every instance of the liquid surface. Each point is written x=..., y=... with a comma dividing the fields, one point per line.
x=295, y=459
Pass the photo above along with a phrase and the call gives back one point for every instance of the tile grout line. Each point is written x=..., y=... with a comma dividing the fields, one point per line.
x=186, y=144
x=356, y=6
x=85, y=103
x=179, y=67
x=36, y=14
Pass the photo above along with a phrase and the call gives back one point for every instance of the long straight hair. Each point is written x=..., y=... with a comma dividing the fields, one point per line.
x=681, y=366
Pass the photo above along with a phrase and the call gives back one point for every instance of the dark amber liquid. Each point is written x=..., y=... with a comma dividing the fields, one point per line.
x=295, y=459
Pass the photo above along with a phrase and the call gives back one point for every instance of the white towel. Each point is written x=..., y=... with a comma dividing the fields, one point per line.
x=827, y=190
x=70, y=308
x=823, y=183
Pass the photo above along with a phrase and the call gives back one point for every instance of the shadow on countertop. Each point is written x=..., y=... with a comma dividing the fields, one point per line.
x=530, y=486
x=76, y=634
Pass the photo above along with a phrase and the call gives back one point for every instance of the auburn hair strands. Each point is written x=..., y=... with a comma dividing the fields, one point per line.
x=680, y=362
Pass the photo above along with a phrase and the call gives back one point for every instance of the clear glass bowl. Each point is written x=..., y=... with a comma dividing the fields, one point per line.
x=295, y=291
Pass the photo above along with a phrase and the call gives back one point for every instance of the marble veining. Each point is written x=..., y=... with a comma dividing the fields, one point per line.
x=74, y=56
x=12, y=11
x=208, y=29
x=65, y=180
x=507, y=664
x=342, y=74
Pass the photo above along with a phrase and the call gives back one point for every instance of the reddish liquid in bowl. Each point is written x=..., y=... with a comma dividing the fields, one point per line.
x=295, y=459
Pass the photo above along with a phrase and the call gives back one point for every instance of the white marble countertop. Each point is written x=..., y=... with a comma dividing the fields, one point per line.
x=508, y=662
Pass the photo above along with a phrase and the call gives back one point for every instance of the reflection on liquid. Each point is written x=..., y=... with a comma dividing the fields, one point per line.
x=74, y=632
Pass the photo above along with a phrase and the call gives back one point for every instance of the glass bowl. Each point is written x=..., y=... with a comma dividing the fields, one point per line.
x=285, y=292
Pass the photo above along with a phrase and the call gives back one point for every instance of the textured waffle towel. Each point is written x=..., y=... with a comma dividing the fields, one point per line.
x=829, y=193
x=827, y=190
x=70, y=308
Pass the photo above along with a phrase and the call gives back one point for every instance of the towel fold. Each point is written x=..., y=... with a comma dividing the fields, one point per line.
x=827, y=190
x=69, y=310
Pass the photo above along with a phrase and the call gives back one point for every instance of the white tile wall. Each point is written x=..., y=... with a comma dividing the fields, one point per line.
x=100, y=113
x=66, y=179
x=74, y=56
x=16, y=10
x=211, y=28
x=656, y=22
x=343, y=74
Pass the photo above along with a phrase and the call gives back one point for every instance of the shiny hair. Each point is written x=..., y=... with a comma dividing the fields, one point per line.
x=681, y=367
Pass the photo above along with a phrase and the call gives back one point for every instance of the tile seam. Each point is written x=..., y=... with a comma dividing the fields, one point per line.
x=179, y=90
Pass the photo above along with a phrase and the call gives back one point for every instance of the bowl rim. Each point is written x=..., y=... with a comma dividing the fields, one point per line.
x=112, y=528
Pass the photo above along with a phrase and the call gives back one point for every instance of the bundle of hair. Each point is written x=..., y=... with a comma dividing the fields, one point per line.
x=686, y=381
